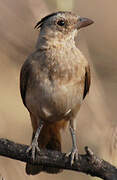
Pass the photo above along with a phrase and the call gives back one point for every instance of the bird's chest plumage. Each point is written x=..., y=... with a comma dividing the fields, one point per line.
x=58, y=86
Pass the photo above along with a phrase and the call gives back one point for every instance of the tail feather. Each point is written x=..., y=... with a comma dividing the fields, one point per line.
x=49, y=139
x=54, y=144
x=33, y=169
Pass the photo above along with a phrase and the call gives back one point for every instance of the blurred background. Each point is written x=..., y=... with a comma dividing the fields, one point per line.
x=97, y=125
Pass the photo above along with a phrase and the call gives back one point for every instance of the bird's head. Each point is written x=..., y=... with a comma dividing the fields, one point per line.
x=62, y=24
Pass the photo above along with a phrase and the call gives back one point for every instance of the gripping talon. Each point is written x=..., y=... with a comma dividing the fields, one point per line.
x=33, y=148
x=34, y=145
x=73, y=156
x=28, y=149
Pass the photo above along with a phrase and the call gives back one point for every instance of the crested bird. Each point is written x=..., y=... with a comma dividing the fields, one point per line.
x=54, y=81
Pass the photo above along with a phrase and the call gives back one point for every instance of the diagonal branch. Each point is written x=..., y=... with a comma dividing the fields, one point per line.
x=87, y=163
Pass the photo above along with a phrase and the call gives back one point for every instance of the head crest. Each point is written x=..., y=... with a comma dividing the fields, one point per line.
x=41, y=22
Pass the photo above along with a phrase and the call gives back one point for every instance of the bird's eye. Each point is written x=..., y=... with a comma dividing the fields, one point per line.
x=61, y=23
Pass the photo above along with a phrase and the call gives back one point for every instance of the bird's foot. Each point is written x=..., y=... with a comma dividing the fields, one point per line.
x=73, y=155
x=33, y=148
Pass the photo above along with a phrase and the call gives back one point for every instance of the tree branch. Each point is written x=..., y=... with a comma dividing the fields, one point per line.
x=87, y=163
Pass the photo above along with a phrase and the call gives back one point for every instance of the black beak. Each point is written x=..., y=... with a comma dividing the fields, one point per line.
x=83, y=22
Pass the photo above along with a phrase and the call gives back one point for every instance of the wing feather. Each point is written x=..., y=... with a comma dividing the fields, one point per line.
x=87, y=81
x=24, y=77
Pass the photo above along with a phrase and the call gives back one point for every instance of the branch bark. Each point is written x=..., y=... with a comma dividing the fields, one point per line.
x=87, y=163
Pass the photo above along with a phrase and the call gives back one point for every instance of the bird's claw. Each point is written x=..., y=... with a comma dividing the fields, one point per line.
x=33, y=148
x=73, y=155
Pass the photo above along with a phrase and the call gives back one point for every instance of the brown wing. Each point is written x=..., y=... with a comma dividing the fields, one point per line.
x=24, y=76
x=87, y=81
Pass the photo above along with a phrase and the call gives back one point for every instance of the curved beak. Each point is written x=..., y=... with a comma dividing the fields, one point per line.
x=83, y=22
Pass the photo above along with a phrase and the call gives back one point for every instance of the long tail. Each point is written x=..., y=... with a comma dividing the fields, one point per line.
x=49, y=139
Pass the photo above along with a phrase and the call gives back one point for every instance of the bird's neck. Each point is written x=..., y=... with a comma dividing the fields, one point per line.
x=46, y=41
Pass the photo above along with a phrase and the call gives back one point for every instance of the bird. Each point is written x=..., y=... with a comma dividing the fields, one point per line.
x=54, y=81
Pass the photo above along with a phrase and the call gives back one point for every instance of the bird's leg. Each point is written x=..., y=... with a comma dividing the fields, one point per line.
x=34, y=145
x=74, y=152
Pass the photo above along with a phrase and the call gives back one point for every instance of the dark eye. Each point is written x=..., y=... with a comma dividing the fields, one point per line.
x=61, y=22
